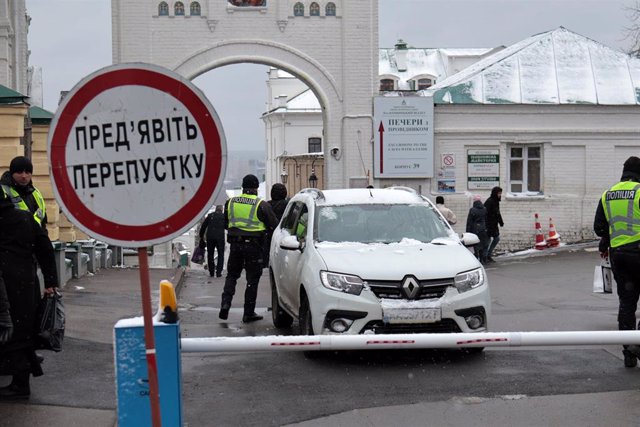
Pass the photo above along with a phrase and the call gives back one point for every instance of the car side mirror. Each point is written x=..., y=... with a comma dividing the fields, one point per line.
x=469, y=239
x=290, y=243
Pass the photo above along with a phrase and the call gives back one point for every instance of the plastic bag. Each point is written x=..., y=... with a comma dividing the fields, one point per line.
x=198, y=255
x=603, y=279
x=52, y=321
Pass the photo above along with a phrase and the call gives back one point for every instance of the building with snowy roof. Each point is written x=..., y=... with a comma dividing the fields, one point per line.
x=550, y=119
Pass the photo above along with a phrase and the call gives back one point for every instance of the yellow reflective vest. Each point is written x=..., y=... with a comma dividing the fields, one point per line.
x=19, y=203
x=243, y=213
x=621, y=205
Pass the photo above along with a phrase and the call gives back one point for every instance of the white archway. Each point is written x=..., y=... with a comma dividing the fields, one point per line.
x=336, y=55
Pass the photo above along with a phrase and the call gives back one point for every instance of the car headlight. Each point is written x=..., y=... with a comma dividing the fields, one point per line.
x=342, y=282
x=469, y=280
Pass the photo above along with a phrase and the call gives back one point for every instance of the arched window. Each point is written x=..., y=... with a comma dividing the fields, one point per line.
x=163, y=9
x=314, y=9
x=424, y=83
x=387, y=85
x=195, y=9
x=330, y=9
x=178, y=9
x=298, y=9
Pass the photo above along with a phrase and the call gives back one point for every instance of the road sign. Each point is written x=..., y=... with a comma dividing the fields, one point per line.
x=137, y=155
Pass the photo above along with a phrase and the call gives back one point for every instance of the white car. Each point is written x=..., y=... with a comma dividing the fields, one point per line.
x=361, y=261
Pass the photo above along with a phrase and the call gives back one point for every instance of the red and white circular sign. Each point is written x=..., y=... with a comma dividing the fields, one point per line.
x=137, y=155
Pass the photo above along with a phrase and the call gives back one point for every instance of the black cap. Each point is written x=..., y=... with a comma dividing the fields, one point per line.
x=278, y=191
x=632, y=164
x=21, y=164
x=250, y=181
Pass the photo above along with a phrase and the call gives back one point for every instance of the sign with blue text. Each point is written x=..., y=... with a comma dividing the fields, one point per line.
x=137, y=155
x=403, y=142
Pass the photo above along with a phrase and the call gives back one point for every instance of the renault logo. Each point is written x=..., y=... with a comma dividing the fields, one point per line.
x=410, y=287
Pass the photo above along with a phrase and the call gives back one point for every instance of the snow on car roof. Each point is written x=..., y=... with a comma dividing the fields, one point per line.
x=365, y=195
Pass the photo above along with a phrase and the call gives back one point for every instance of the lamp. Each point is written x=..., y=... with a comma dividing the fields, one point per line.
x=284, y=175
x=313, y=179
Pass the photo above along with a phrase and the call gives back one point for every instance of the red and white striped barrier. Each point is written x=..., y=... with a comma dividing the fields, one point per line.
x=408, y=341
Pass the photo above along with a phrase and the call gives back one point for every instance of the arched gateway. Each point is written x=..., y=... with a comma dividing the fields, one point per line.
x=331, y=45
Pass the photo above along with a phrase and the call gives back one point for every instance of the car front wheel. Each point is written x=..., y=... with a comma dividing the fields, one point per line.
x=281, y=319
x=306, y=328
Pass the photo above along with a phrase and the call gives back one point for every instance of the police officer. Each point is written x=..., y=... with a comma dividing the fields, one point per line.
x=16, y=183
x=618, y=220
x=247, y=219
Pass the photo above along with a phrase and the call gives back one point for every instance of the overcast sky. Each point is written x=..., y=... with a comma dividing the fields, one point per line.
x=70, y=39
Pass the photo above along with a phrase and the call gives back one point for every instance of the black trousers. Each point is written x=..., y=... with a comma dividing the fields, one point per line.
x=247, y=255
x=215, y=243
x=625, y=265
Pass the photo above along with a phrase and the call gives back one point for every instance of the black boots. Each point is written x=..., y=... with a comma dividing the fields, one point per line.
x=224, y=311
x=253, y=317
x=18, y=389
x=631, y=354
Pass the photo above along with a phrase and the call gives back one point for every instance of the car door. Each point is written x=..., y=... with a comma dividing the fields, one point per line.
x=281, y=258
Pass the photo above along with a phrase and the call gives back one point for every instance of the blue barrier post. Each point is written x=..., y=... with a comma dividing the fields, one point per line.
x=134, y=407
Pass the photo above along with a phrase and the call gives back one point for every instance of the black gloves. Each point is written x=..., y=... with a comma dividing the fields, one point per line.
x=6, y=326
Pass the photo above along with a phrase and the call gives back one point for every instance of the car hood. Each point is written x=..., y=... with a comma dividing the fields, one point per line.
x=378, y=261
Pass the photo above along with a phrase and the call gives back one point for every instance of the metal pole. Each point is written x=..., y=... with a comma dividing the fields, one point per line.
x=149, y=339
x=394, y=341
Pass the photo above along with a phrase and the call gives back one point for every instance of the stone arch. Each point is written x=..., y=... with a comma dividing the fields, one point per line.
x=284, y=57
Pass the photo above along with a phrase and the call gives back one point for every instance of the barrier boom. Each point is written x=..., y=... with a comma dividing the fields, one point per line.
x=407, y=341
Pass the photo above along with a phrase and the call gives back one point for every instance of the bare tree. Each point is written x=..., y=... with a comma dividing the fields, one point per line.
x=633, y=30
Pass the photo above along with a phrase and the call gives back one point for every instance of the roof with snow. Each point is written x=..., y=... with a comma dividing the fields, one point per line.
x=407, y=64
x=556, y=67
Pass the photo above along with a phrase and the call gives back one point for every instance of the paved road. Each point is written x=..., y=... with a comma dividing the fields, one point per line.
x=580, y=386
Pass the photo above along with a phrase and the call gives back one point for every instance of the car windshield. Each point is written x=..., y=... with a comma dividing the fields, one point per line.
x=379, y=223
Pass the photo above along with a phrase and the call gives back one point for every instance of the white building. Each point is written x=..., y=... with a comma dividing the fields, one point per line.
x=556, y=113
x=14, y=54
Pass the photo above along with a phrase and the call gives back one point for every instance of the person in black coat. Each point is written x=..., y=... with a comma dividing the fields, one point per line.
x=494, y=218
x=22, y=239
x=477, y=224
x=278, y=202
x=213, y=228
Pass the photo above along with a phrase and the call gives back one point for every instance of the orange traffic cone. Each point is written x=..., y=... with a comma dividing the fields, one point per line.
x=554, y=237
x=540, y=242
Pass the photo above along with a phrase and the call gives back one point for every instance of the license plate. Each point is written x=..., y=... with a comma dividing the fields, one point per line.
x=412, y=315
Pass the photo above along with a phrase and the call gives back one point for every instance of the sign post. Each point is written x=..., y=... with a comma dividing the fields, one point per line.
x=137, y=155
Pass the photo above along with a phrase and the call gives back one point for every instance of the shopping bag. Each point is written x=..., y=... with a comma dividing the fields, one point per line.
x=198, y=255
x=52, y=322
x=607, y=279
x=598, y=282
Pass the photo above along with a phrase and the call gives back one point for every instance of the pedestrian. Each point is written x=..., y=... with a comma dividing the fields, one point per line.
x=247, y=220
x=212, y=232
x=477, y=224
x=445, y=211
x=22, y=239
x=17, y=184
x=618, y=220
x=494, y=218
x=278, y=202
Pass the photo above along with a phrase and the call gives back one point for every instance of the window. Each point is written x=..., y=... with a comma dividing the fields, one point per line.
x=298, y=9
x=163, y=9
x=314, y=9
x=424, y=83
x=525, y=169
x=330, y=9
x=387, y=84
x=315, y=145
x=179, y=9
x=195, y=9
